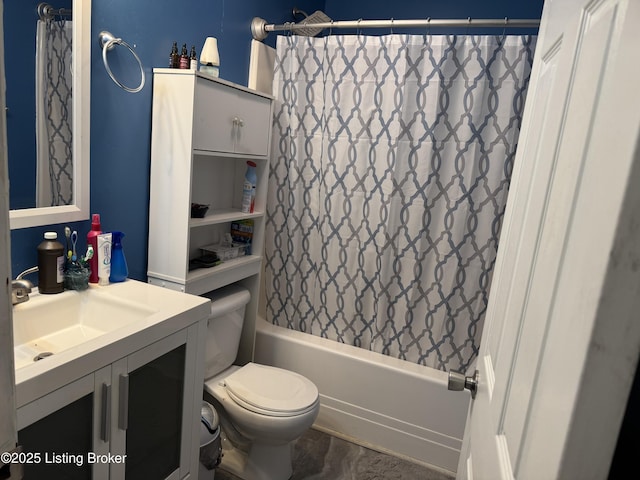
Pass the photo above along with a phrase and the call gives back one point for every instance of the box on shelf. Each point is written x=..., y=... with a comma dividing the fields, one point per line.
x=242, y=233
x=226, y=251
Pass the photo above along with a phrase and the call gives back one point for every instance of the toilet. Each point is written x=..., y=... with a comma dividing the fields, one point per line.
x=262, y=409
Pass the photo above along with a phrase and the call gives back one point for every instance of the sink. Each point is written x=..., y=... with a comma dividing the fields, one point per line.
x=49, y=324
x=71, y=336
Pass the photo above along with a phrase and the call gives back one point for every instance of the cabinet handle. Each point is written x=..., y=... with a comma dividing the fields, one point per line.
x=106, y=413
x=123, y=404
x=238, y=122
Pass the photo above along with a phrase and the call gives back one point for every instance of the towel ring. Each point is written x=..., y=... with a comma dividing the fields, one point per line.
x=107, y=42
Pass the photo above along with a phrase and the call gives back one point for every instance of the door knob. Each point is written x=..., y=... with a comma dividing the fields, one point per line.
x=457, y=382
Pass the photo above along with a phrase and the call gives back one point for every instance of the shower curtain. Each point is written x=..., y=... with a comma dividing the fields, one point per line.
x=54, y=122
x=387, y=187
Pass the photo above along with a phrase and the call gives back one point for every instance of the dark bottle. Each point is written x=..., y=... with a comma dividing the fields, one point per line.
x=193, y=64
x=174, y=58
x=50, y=264
x=184, y=57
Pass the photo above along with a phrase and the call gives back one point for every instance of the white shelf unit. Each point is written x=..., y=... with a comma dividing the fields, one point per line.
x=204, y=131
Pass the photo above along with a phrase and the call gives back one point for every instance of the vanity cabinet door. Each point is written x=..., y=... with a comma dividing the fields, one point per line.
x=229, y=120
x=154, y=418
x=63, y=433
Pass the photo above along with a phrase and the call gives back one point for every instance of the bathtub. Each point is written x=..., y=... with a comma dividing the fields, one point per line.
x=373, y=400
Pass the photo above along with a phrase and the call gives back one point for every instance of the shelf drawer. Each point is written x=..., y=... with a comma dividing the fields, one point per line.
x=238, y=125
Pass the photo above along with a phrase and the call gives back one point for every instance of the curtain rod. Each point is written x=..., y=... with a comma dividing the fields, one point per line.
x=46, y=11
x=260, y=29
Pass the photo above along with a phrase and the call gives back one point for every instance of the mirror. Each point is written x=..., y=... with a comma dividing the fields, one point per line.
x=74, y=204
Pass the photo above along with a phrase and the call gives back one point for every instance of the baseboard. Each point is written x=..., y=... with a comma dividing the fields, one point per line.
x=388, y=435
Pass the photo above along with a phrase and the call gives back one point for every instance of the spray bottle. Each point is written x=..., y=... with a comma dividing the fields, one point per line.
x=92, y=239
x=249, y=188
x=119, y=270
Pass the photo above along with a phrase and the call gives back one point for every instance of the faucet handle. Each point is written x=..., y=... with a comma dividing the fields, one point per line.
x=22, y=284
x=20, y=290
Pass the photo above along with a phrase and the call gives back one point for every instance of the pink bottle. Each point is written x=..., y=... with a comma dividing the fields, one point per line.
x=92, y=239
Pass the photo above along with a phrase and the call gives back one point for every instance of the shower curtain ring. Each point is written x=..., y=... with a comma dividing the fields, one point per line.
x=391, y=26
x=504, y=29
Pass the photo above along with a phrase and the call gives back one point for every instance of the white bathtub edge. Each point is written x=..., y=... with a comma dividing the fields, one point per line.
x=376, y=401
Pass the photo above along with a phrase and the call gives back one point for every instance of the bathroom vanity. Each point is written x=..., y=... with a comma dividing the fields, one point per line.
x=126, y=385
x=204, y=131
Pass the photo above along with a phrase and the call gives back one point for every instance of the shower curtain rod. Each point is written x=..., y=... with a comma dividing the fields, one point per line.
x=260, y=29
x=46, y=11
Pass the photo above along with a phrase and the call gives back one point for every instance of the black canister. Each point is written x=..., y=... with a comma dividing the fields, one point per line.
x=50, y=264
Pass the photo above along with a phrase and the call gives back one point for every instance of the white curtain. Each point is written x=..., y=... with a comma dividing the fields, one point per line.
x=54, y=121
x=390, y=168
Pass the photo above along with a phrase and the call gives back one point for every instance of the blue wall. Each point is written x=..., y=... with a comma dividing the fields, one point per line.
x=409, y=9
x=121, y=122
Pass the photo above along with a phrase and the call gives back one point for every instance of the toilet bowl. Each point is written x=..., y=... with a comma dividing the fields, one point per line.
x=263, y=409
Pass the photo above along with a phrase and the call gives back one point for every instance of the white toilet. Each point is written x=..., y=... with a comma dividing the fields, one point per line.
x=262, y=409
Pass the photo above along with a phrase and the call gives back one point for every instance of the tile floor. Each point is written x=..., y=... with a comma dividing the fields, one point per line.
x=318, y=456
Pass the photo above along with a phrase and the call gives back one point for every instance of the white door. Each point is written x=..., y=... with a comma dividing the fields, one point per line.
x=561, y=336
x=8, y=437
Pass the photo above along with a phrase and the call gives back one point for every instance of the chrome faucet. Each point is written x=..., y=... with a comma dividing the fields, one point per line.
x=21, y=287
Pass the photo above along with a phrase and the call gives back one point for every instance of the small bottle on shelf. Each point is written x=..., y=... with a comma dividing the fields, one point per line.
x=174, y=58
x=184, y=58
x=193, y=64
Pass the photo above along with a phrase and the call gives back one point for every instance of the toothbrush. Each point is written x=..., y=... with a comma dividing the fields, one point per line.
x=67, y=233
x=74, y=239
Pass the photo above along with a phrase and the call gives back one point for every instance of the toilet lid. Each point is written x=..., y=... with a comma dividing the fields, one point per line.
x=271, y=391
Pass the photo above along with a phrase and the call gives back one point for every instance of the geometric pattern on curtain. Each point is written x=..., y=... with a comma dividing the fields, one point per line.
x=388, y=181
x=54, y=114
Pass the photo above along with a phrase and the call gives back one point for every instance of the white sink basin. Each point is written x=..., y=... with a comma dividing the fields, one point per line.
x=86, y=331
x=49, y=324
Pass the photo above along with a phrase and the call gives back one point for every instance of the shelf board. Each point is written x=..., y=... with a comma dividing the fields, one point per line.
x=224, y=267
x=222, y=216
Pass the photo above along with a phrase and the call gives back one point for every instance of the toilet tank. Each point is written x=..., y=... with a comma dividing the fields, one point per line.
x=224, y=327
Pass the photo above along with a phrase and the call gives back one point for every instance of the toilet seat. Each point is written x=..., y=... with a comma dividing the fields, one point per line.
x=271, y=391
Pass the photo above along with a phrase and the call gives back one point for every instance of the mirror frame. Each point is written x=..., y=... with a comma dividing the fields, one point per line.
x=32, y=217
